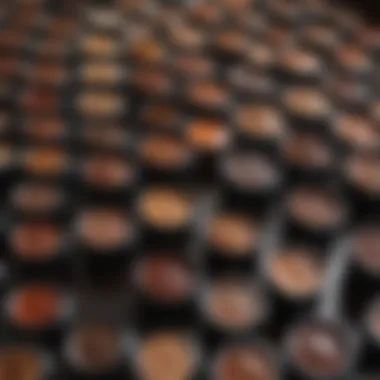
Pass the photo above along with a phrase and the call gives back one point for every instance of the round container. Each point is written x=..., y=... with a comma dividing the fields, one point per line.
x=100, y=105
x=349, y=95
x=206, y=97
x=164, y=291
x=318, y=348
x=168, y=354
x=353, y=61
x=249, y=181
x=296, y=275
x=105, y=138
x=208, y=138
x=108, y=178
x=148, y=51
x=307, y=109
x=370, y=341
x=232, y=243
x=24, y=362
x=95, y=350
x=160, y=116
x=35, y=200
x=248, y=84
x=249, y=360
x=260, y=126
x=299, y=66
x=106, y=238
x=99, y=46
x=49, y=130
x=152, y=82
x=232, y=308
x=356, y=133
x=314, y=214
x=309, y=158
x=165, y=159
x=193, y=65
x=260, y=56
x=46, y=163
x=166, y=217
x=37, y=311
x=230, y=44
x=362, y=274
x=362, y=183
x=101, y=74
x=38, y=250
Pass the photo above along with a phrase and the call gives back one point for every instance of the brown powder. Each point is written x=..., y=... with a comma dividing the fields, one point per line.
x=234, y=234
x=366, y=248
x=34, y=197
x=260, y=121
x=166, y=356
x=307, y=149
x=207, y=95
x=357, y=131
x=164, y=152
x=94, y=347
x=165, y=208
x=104, y=229
x=36, y=241
x=21, y=363
x=319, y=349
x=315, y=208
x=108, y=172
x=46, y=161
x=101, y=73
x=207, y=135
x=93, y=104
x=233, y=304
x=363, y=171
x=99, y=45
x=306, y=102
x=245, y=362
x=35, y=306
x=296, y=273
x=165, y=279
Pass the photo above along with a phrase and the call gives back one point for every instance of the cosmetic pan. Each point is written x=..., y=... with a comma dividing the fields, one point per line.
x=108, y=177
x=361, y=280
x=166, y=158
x=369, y=343
x=164, y=284
x=295, y=275
x=95, y=349
x=307, y=108
x=250, y=84
x=38, y=249
x=37, y=311
x=309, y=158
x=317, y=348
x=232, y=242
x=105, y=238
x=172, y=353
x=166, y=215
x=232, y=308
x=314, y=214
x=249, y=180
x=25, y=361
x=208, y=138
x=246, y=359
x=260, y=127
x=360, y=183
x=37, y=200
x=105, y=138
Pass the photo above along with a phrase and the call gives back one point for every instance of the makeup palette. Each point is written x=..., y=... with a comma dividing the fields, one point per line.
x=190, y=190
